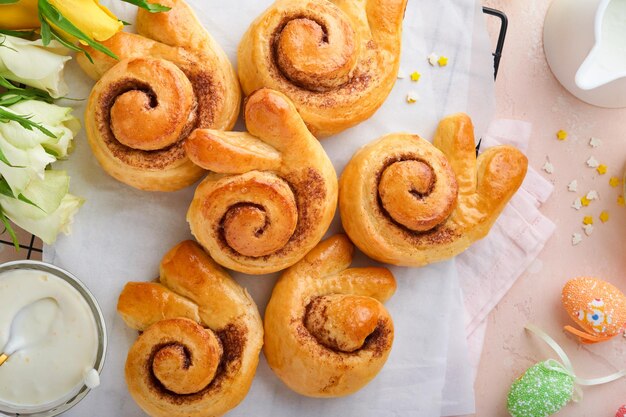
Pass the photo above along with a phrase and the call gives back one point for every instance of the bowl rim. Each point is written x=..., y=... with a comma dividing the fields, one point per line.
x=91, y=300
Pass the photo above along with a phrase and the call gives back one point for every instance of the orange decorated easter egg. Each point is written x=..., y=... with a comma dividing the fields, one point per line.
x=597, y=307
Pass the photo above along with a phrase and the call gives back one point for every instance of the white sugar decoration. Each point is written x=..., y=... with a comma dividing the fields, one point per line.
x=401, y=74
x=576, y=239
x=588, y=229
x=592, y=162
x=577, y=204
x=592, y=195
x=412, y=97
x=595, y=142
x=548, y=167
x=433, y=58
x=573, y=186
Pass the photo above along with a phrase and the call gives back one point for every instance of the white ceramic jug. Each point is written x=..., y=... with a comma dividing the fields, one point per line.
x=585, y=45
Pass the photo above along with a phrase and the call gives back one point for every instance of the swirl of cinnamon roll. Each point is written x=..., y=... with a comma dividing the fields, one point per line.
x=200, y=341
x=171, y=78
x=272, y=193
x=407, y=202
x=327, y=333
x=337, y=61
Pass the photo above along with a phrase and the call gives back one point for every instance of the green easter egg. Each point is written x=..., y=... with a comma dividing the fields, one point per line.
x=542, y=391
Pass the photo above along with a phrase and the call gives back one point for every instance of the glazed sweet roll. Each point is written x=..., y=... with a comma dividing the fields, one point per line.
x=171, y=78
x=272, y=192
x=200, y=341
x=408, y=202
x=327, y=333
x=337, y=61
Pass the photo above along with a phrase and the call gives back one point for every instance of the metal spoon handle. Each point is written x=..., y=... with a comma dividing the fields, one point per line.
x=3, y=358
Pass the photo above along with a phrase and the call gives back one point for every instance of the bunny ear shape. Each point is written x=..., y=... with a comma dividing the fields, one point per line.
x=384, y=18
x=455, y=138
x=238, y=152
x=271, y=116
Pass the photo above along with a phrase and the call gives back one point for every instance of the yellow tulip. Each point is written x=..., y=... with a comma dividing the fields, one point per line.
x=19, y=16
x=93, y=19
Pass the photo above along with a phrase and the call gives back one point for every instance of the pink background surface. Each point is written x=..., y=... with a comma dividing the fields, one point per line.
x=527, y=90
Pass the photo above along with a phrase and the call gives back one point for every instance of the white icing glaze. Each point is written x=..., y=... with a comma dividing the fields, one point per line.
x=55, y=366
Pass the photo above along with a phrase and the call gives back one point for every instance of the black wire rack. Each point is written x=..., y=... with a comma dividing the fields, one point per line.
x=35, y=246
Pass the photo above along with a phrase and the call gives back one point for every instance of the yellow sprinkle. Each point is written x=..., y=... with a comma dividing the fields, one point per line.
x=442, y=61
x=614, y=182
x=588, y=220
x=601, y=169
x=415, y=76
x=585, y=201
x=620, y=201
x=604, y=216
x=561, y=135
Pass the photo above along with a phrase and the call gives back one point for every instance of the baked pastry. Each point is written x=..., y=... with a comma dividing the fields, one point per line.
x=337, y=61
x=327, y=333
x=171, y=78
x=407, y=202
x=202, y=335
x=272, y=192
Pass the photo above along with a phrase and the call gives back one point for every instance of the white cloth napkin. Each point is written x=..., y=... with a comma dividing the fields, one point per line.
x=491, y=266
x=121, y=234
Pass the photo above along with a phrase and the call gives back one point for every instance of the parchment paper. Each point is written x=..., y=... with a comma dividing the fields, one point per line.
x=121, y=234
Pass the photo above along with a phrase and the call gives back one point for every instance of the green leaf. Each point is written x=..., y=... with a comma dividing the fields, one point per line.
x=151, y=7
x=8, y=1
x=6, y=191
x=5, y=160
x=46, y=31
x=7, y=84
x=25, y=34
x=53, y=16
x=9, y=229
x=16, y=95
x=24, y=121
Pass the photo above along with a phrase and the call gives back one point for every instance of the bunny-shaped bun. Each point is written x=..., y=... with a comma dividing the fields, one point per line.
x=336, y=60
x=272, y=193
x=407, y=202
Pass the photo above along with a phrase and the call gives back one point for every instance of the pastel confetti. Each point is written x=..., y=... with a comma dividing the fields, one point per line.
x=588, y=220
x=592, y=162
x=442, y=61
x=588, y=228
x=576, y=239
x=432, y=59
x=401, y=74
x=601, y=169
x=412, y=97
x=561, y=135
x=548, y=167
x=577, y=204
x=595, y=142
x=592, y=195
x=604, y=216
x=573, y=186
x=585, y=201
x=621, y=201
x=415, y=76
x=614, y=181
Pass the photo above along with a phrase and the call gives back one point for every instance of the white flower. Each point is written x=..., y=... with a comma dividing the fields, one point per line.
x=576, y=239
x=592, y=162
x=433, y=58
x=577, y=204
x=573, y=186
x=595, y=317
x=592, y=195
x=31, y=63
x=595, y=142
